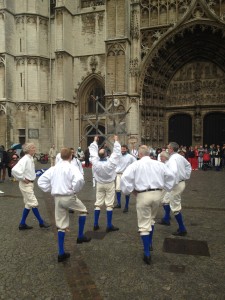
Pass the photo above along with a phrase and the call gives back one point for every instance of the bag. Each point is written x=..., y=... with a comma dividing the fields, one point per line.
x=206, y=157
x=13, y=161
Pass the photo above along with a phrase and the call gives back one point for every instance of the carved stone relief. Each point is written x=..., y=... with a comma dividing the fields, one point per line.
x=21, y=107
x=197, y=83
x=93, y=63
x=134, y=25
x=2, y=61
x=134, y=67
x=155, y=13
x=197, y=125
x=2, y=109
x=217, y=7
x=33, y=108
x=116, y=49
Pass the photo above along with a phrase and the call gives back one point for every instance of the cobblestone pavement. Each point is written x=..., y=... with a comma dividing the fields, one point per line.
x=111, y=266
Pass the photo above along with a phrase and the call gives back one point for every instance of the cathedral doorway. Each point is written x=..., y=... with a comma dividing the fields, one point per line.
x=180, y=129
x=214, y=128
x=182, y=74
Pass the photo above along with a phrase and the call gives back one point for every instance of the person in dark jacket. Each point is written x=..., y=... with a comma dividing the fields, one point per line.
x=3, y=163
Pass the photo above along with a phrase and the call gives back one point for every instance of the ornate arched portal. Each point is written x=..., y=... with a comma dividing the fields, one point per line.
x=184, y=73
x=214, y=128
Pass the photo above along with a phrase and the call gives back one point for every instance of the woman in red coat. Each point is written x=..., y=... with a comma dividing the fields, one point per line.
x=195, y=159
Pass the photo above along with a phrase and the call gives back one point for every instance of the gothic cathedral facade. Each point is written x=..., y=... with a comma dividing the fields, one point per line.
x=151, y=71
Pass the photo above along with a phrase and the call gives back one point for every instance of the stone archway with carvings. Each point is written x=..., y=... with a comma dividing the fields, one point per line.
x=184, y=72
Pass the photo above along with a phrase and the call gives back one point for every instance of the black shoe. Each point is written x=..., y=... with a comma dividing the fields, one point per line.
x=179, y=233
x=24, y=227
x=96, y=227
x=125, y=210
x=71, y=211
x=117, y=206
x=63, y=256
x=44, y=225
x=151, y=248
x=113, y=228
x=163, y=222
x=147, y=259
x=84, y=239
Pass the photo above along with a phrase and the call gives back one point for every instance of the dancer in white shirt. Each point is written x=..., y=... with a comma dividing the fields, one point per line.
x=125, y=160
x=104, y=171
x=182, y=171
x=64, y=180
x=147, y=178
x=24, y=171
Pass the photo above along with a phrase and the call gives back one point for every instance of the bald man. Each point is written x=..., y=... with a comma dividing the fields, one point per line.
x=104, y=171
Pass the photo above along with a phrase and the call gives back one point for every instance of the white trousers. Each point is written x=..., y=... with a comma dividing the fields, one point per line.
x=62, y=206
x=147, y=207
x=175, y=199
x=118, y=178
x=27, y=190
x=105, y=194
x=166, y=198
x=217, y=161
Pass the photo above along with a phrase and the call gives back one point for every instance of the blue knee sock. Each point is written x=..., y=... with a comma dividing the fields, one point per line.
x=24, y=216
x=61, y=236
x=82, y=220
x=96, y=217
x=118, y=196
x=146, y=243
x=167, y=212
x=180, y=222
x=37, y=215
x=109, y=218
x=151, y=235
x=127, y=201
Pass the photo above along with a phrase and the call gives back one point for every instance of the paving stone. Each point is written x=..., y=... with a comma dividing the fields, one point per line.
x=112, y=267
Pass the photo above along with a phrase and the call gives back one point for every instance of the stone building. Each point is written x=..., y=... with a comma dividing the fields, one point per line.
x=152, y=71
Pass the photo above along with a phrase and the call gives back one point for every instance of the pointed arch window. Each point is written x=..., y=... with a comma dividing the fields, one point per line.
x=95, y=93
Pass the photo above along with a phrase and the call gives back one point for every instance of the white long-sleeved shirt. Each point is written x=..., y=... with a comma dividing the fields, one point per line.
x=147, y=173
x=105, y=171
x=25, y=168
x=76, y=162
x=125, y=161
x=134, y=152
x=179, y=166
x=62, y=179
x=58, y=158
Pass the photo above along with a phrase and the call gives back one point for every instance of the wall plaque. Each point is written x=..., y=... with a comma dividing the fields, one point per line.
x=33, y=133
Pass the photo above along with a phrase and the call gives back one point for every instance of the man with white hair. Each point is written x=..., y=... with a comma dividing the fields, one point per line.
x=147, y=178
x=182, y=171
x=24, y=171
